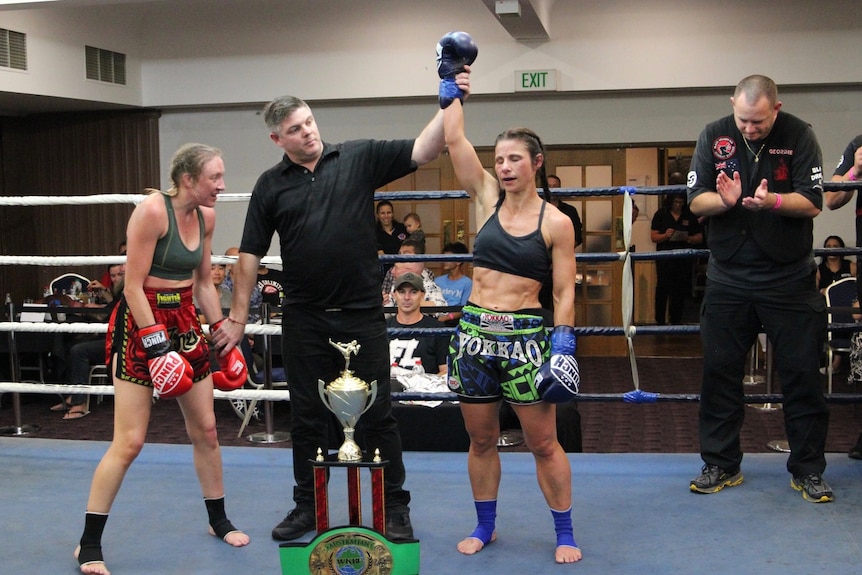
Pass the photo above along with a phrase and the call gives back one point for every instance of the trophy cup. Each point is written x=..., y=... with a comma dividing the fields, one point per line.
x=350, y=548
x=348, y=397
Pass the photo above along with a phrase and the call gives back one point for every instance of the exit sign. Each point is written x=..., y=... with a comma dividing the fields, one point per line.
x=536, y=80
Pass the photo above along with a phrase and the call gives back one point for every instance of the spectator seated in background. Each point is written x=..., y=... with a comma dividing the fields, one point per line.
x=433, y=295
x=121, y=249
x=270, y=283
x=404, y=351
x=83, y=354
x=455, y=285
x=227, y=285
x=834, y=267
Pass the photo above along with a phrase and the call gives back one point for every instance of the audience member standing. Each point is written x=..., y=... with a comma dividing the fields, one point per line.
x=390, y=232
x=673, y=227
x=849, y=169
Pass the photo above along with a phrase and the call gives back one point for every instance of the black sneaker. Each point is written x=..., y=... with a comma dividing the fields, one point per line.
x=713, y=479
x=813, y=488
x=856, y=451
x=398, y=526
x=297, y=523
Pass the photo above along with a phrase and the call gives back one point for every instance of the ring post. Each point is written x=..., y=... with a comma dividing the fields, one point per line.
x=18, y=429
x=268, y=436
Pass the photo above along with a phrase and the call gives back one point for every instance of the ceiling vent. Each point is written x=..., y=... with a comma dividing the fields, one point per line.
x=106, y=66
x=13, y=49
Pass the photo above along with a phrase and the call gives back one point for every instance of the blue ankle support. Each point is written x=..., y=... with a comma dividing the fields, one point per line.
x=486, y=514
x=563, y=527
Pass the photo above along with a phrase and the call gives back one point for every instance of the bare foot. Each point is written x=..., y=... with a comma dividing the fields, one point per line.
x=92, y=567
x=567, y=554
x=472, y=545
x=235, y=538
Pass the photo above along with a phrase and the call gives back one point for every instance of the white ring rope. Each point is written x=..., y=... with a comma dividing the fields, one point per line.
x=104, y=260
x=89, y=327
x=97, y=199
x=68, y=389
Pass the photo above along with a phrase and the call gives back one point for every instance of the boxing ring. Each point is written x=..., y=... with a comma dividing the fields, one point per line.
x=633, y=513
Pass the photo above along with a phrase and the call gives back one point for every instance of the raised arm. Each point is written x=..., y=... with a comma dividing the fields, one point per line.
x=478, y=183
x=430, y=141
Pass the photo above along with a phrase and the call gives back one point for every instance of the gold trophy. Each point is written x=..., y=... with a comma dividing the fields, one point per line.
x=348, y=397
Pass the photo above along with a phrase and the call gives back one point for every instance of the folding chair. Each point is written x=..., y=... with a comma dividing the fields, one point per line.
x=839, y=294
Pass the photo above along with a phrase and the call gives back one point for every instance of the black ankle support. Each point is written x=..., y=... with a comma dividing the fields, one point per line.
x=90, y=554
x=223, y=527
x=91, y=540
x=218, y=518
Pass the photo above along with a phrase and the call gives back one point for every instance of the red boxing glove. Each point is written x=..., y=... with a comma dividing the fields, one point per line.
x=233, y=372
x=170, y=372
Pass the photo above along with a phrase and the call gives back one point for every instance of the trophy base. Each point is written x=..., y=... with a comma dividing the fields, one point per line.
x=351, y=549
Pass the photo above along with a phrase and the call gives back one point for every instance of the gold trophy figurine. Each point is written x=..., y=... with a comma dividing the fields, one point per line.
x=348, y=397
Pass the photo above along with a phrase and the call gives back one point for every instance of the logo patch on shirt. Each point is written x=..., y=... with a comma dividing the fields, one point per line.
x=723, y=147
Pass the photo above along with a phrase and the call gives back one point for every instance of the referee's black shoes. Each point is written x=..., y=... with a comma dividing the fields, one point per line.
x=297, y=523
x=398, y=526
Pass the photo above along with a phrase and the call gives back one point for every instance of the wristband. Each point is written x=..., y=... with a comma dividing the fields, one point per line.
x=851, y=175
x=230, y=319
x=777, y=203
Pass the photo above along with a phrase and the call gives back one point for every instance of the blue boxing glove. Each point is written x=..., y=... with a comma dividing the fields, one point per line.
x=559, y=378
x=454, y=51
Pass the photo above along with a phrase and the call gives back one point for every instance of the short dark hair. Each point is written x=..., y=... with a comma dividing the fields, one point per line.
x=417, y=245
x=456, y=248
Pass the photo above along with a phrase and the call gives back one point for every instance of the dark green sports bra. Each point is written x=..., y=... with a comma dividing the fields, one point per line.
x=171, y=259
